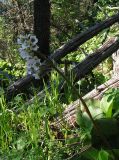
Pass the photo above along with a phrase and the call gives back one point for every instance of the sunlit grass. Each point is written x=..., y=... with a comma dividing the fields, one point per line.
x=25, y=129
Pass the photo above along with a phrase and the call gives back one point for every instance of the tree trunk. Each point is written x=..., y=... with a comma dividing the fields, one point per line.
x=42, y=25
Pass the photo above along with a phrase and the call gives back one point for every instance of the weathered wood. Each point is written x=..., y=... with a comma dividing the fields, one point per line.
x=72, y=45
x=80, y=70
x=89, y=63
x=69, y=114
x=18, y=86
x=86, y=66
x=115, y=57
x=81, y=38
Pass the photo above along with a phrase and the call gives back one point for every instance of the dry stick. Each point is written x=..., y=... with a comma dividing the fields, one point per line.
x=84, y=149
x=116, y=84
x=70, y=46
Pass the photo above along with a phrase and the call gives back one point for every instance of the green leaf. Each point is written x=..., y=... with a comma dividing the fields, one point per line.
x=109, y=111
x=103, y=155
x=84, y=121
x=91, y=154
x=107, y=106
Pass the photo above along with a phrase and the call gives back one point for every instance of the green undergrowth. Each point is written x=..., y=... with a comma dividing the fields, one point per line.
x=30, y=130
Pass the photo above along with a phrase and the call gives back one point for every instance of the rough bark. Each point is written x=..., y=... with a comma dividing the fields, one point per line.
x=69, y=114
x=81, y=38
x=18, y=86
x=87, y=65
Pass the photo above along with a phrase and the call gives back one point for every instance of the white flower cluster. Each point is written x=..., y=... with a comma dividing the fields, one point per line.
x=28, y=44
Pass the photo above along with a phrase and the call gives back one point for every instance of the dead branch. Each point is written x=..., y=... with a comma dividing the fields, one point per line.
x=91, y=61
x=81, y=38
x=70, y=46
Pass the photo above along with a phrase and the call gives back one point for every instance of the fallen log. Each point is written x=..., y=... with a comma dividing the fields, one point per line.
x=18, y=86
x=90, y=62
x=81, y=38
x=69, y=114
x=70, y=46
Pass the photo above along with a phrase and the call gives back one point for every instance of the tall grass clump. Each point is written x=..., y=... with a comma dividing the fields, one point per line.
x=27, y=130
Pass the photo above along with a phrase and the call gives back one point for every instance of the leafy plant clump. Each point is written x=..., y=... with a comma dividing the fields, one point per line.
x=33, y=125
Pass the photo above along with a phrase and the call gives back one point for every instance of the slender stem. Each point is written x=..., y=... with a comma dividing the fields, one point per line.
x=53, y=64
x=97, y=128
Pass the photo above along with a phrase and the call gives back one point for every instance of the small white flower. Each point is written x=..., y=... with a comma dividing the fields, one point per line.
x=39, y=61
x=25, y=45
x=19, y=41
x=28, y=36
x=31, y=61
x=22, y=37
x=29, y=57
x=29, y=72
x=36, y=76
x=34, y=48
x=36, y=68
x=35, y=57
x=76, y=20
x=29, y=65
x=23, y=53
x=33, y=40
